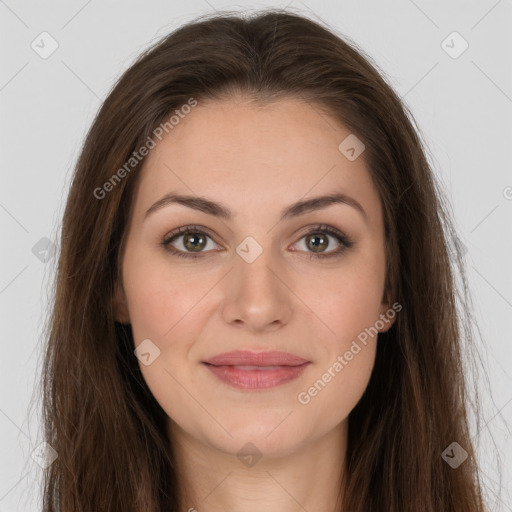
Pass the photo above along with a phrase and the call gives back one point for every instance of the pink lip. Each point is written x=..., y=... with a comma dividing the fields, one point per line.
x=232, y=368
x=245, y=357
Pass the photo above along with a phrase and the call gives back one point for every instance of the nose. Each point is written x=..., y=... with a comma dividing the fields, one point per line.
x=257, y=295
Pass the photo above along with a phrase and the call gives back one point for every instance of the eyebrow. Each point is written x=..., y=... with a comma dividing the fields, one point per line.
x=296, y=209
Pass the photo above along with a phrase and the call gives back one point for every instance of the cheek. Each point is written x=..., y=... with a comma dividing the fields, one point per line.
x=162, y=309
x=166, y=306
x=347, y=301
x=347, y=338
x=335, y=390
x=158, y=298
x=341, y=375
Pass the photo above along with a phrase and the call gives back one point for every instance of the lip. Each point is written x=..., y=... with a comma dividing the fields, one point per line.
x=248, y=358
x=247, y=370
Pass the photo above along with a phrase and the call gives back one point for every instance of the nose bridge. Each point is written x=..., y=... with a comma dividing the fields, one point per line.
x=256, y=295
x=255, y=270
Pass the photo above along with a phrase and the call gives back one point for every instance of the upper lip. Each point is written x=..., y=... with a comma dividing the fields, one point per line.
x=246, y=357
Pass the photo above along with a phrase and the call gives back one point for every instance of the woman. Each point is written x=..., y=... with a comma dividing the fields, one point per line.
x=255, y=303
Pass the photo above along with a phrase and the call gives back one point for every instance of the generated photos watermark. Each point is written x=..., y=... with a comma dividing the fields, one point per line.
x=304, y=397
x=143, y=151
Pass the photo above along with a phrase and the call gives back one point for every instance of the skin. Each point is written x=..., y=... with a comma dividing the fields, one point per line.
x=256, y=160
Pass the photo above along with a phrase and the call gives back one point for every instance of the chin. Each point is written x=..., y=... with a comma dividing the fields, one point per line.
x=269, y=434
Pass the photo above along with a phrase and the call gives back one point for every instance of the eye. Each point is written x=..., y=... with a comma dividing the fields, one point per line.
x=194, y=239
x=317, y=240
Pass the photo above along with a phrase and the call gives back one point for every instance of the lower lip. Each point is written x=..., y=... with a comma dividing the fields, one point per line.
x=256, y=379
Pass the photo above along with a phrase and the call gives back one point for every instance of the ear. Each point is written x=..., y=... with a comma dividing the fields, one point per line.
x=119, y=305
x=387, y=316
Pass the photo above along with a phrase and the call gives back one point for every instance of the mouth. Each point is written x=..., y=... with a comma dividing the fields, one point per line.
x=252, y=370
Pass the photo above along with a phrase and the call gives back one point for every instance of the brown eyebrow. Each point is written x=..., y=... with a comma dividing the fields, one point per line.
x=210, y=207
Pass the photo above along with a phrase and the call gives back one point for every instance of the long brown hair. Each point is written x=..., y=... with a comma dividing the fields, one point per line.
x=99, y=415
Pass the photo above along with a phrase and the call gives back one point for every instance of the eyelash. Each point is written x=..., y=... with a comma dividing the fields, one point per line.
x=340, y=237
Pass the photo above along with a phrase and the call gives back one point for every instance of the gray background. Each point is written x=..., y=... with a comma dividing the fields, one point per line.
x=462, y=106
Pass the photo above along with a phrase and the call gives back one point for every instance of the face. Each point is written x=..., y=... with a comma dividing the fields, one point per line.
x=258, y=280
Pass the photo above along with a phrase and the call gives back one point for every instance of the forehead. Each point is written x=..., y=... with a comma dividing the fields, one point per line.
x=253, y=155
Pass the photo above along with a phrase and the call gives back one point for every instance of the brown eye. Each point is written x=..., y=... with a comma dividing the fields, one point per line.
x=190, y=242
x=194, y=242
x=317, y=242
